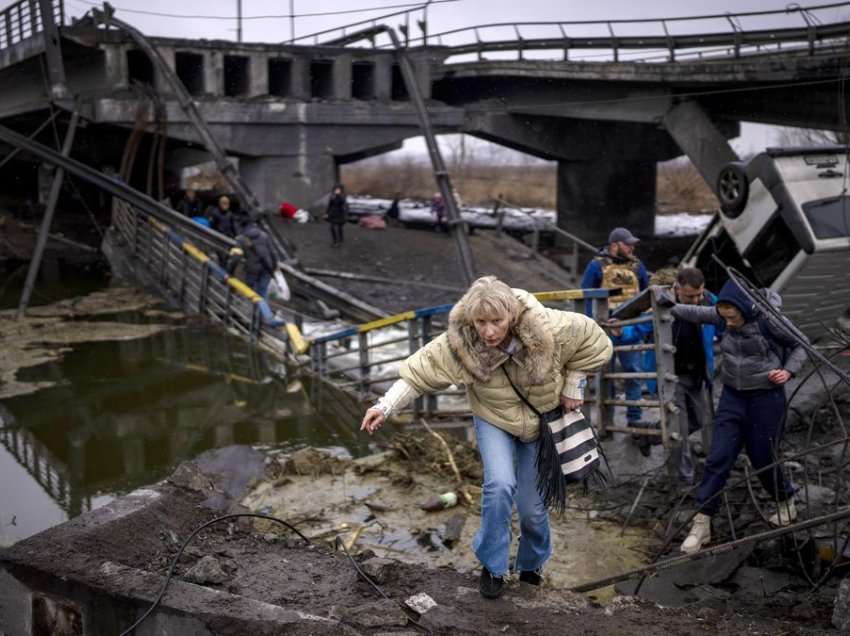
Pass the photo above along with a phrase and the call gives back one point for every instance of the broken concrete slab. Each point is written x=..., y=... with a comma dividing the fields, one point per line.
x=207, y=571
x=223, y=474
x=756, y=585
x=710, y=570
x=278, y=587
x=381, y=613
x=381, y=571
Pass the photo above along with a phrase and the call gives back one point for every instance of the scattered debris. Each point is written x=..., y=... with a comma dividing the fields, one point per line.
x=421, y=603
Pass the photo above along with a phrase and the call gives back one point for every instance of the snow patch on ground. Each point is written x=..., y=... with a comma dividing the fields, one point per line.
x=681, y=224
x=524, y=219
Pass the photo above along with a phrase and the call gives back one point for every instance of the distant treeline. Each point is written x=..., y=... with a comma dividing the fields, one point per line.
x=679, y=187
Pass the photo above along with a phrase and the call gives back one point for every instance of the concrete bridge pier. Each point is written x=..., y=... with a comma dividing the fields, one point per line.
x=596, y=195
x=300, y=179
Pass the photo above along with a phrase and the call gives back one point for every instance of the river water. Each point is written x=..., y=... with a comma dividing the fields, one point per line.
x=117, y=415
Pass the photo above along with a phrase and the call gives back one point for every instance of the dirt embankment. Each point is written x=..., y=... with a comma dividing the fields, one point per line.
x=408, y=258
x=260, y=561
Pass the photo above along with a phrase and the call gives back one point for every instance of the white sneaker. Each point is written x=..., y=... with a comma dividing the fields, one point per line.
x=700, y=533
x=786, y=512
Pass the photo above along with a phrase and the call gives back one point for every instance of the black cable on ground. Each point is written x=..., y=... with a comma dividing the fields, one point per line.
x=176, y=558
x=338, y=543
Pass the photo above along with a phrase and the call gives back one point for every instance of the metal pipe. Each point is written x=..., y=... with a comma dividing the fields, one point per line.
x=238, y=20
x=46, y=222
x=718, y=549
x=34, y=134
x=441, y=175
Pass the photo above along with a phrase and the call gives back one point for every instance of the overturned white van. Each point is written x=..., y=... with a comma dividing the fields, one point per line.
x=785, y=223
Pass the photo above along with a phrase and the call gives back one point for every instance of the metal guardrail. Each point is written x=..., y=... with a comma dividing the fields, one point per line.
x=196, y=282
x=359, y=371
x=734, y=44
x=717, y=36
x=23, y=20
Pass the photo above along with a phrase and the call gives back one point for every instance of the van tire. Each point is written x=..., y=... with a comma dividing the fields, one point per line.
x=733, y=189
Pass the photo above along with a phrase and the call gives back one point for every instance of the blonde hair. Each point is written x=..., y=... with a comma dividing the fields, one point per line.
x=488, y=297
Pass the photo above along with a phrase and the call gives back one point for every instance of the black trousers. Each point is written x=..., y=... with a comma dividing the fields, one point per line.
x=336, y=232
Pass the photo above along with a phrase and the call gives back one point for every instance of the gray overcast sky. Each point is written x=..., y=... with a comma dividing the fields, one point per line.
x=442, y=16
x=453, y=15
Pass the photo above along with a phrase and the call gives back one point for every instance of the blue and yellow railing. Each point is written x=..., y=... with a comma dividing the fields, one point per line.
x=359, y=375
x=198, y=283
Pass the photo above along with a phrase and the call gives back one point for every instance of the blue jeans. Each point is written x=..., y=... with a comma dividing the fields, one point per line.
x=751, y=420
x=260, y=283
x=509, y=475
x=630, y=362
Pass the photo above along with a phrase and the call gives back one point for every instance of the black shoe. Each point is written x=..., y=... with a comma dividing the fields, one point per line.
x=490, y=586
x=532, y=577
x=644, y=446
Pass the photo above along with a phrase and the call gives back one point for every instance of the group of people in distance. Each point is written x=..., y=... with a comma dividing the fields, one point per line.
x=501, y=343
x=252, y=259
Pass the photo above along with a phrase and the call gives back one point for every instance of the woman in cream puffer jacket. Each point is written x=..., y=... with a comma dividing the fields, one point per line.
x=547, y=353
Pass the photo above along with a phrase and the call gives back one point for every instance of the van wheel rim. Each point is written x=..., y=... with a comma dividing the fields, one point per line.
x=730, y=186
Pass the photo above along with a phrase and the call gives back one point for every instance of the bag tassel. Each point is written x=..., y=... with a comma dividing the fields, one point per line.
x=550, y=480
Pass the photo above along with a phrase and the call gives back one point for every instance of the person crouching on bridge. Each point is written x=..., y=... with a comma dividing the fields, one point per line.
x=758, y=359
x=496, y=337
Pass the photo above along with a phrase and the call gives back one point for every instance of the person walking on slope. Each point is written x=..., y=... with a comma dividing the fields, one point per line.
x=496, y=337
x=337, y=214
x=758, y=359
x=615, y=266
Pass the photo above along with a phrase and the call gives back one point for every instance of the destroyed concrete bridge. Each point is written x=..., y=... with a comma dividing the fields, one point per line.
x=607, y=110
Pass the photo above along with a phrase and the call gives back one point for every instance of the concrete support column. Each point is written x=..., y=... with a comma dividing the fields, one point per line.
x=302, y=180
x=342, y=77
x=214, y=73
x=258, y=67
x=422, y=70
x=698, y=136
x=383, y=77
x=115, y=64
x=300, y=78
x=596, y=196
x=180, y=158
x=159, y=81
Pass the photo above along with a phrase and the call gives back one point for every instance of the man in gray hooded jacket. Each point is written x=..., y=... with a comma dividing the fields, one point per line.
x=759, y=357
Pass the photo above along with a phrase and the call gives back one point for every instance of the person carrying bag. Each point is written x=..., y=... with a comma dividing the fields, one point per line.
x=546, y=354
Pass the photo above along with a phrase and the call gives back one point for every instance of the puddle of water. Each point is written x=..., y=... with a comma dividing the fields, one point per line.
x=55, y=281
x=120, y=415
x=390, y=522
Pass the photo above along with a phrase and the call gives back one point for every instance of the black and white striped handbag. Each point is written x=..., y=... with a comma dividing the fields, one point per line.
x=568, y=452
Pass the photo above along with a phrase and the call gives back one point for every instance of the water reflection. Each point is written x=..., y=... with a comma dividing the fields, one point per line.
x=123, y=414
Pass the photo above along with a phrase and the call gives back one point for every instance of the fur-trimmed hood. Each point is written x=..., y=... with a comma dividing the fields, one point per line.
x=535, y=357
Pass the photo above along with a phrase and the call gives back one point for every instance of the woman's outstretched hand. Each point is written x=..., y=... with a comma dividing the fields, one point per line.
x=372, y=421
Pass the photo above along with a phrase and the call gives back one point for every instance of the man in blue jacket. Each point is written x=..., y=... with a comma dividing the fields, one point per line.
x=615, y=266
x=694, y=367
